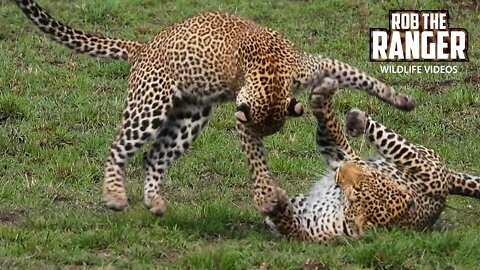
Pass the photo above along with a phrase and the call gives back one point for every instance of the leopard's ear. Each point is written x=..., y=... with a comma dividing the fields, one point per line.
x=294, y=108
x=243, y=113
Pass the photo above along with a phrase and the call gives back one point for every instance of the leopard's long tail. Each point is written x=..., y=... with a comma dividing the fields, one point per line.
x=81, y=42
x=464, y=184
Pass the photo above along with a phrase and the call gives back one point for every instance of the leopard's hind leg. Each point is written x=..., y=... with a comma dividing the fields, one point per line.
x=184, y=123
x=423, y=164
x=148, y=105
x=330, y=138
x=389, y=144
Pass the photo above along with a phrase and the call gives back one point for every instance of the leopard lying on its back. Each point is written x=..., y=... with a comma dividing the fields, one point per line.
x=181, y=72
x=406, y=186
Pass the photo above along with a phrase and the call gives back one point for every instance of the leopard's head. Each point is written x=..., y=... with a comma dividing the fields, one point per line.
x=266, y=116
x=372, y=195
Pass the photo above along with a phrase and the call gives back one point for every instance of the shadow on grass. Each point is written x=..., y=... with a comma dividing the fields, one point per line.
x=215, y=220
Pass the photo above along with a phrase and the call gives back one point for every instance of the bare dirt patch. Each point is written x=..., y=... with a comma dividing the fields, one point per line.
x=473, y=5
x=437, y=87
x=473, y=78
x=10, y=217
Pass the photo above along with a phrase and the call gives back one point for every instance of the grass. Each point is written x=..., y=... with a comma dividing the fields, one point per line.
x=59, y=112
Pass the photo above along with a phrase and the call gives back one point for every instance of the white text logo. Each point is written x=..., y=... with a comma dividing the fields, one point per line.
x=419, y=36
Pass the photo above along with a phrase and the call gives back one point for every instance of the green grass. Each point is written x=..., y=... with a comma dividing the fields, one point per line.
x=59, y=113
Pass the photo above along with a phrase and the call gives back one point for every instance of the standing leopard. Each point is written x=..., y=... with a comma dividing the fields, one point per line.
x=407, y=186
x=178, y=75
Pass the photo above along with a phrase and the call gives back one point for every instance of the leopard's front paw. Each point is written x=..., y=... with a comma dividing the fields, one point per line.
x=327, y=86
x=156, y=204
x=115, y=198
x=271, y=200
x=355, y=122
x=266, y=199
x=404, y=102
